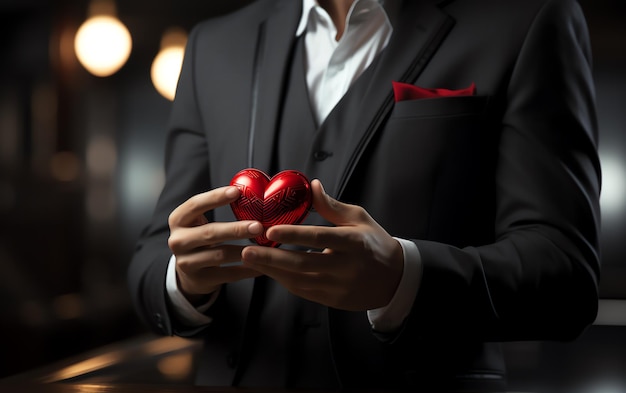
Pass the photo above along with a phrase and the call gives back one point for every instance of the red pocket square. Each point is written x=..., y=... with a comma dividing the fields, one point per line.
x=406, y=91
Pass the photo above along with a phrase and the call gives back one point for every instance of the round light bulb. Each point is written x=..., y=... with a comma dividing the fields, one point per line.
x=166, y=70
x=103, y=45
x=168, y=62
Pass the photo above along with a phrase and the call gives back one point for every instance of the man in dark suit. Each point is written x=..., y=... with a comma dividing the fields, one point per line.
x=466, y=218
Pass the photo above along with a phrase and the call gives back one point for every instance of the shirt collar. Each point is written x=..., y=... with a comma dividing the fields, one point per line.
x=308, y=5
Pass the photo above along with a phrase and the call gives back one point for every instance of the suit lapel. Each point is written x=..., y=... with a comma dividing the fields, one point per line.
x=276, y=43
x=420, y=28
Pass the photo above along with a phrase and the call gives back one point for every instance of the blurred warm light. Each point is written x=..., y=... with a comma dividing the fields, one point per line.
x=65, y=166
x=101, y=156
x=613, y=197
x=63, y=51
x=91, y=388
x=177, y=366
x=84, y=367
x=164, y=345
x=165, y=71
x=102, y=43
x=168, y=62
x=68, y=306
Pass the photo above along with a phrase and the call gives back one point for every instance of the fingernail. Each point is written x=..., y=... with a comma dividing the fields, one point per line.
x=255, y=228
x=232, y=192
x=322, y=188
x=250, y=255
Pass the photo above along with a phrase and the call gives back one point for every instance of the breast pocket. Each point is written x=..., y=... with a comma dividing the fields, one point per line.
x=433, y=157
x=430, y=130
x=440, y=107
x=434, y=126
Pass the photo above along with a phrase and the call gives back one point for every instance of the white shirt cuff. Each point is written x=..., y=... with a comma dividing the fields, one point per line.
x=185, y=312
x=390, y=317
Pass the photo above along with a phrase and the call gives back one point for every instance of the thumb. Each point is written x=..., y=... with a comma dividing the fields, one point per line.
x=332, y=210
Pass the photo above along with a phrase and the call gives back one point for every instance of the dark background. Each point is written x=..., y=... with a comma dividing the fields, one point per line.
x=66, y=237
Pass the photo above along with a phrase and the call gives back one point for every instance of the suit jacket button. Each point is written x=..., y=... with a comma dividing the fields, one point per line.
x=159, y=321
x=321, y=155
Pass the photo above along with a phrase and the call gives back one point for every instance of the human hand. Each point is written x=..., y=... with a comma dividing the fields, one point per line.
x=359, y=268
x=198, y=245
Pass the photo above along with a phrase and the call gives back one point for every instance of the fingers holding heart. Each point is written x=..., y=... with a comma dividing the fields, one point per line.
x=191, y=212
x=359, y=268
x=183, y=240
x=315, y=276
x=268, y=260
x=360, y=265
x=317, y=237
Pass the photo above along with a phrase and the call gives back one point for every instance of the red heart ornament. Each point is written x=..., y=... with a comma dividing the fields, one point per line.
x=286, y=198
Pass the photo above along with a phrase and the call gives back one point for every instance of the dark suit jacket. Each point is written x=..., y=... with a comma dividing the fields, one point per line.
x=499, y=190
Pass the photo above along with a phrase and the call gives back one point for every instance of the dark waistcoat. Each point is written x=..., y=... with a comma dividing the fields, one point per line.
x=291, y=345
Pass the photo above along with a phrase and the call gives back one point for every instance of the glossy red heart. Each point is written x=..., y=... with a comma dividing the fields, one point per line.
x=286, y=198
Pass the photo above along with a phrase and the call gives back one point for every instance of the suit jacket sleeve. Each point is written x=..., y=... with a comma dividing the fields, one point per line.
x=187, y=174
x=539, y=279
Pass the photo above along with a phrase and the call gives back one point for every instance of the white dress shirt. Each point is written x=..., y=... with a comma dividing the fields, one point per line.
x=331, y=68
